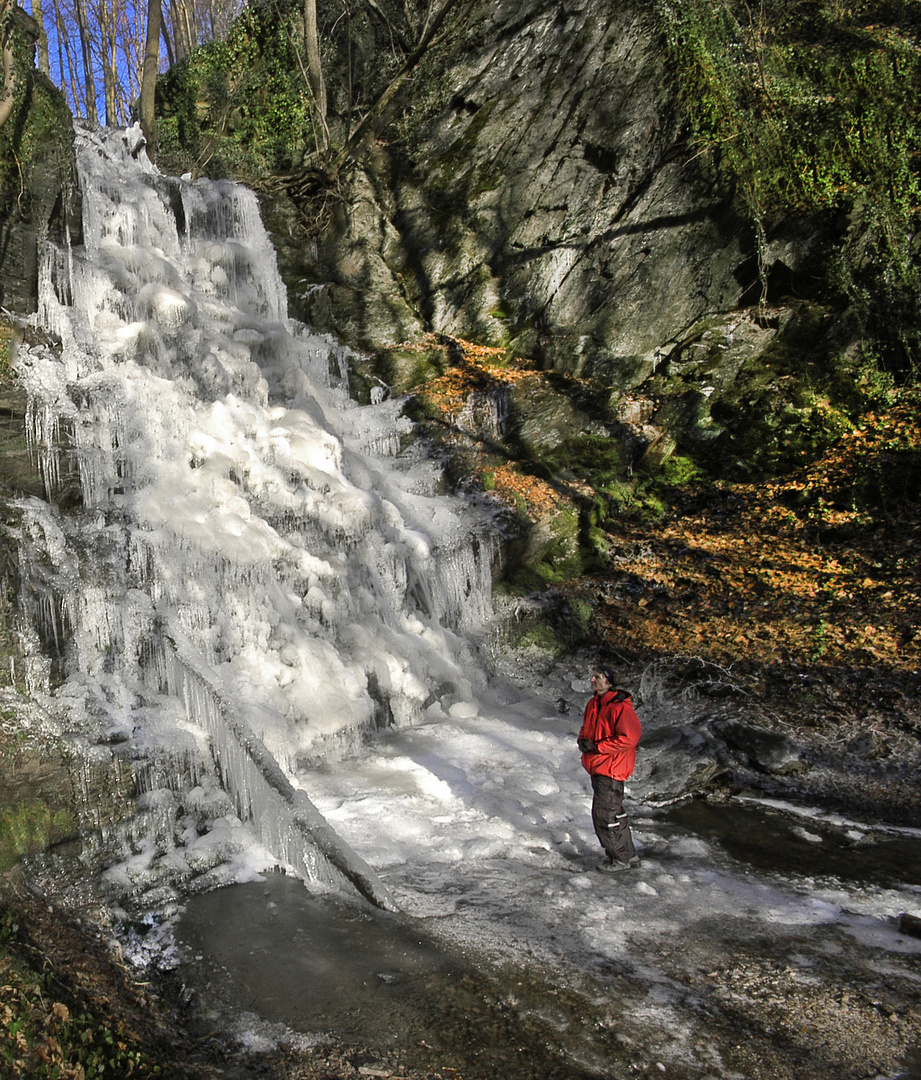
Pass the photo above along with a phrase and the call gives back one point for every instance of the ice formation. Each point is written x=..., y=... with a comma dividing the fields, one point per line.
x=250, y=570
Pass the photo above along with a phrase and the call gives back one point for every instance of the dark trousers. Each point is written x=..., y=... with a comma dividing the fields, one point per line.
x=610, y=820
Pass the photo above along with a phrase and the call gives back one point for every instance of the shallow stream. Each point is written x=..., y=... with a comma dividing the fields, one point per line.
x=341, y=969
x=274, y=953
x=774, y=839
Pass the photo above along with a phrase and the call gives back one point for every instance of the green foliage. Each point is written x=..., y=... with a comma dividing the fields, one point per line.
x=596, y=458
x=820, y=427
x=239, y=107
x=637, y=499
x=805, y=105
x=676, y=471
x=814, y=107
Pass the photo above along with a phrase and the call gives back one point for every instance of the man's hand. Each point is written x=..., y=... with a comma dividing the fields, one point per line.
x=587, y=746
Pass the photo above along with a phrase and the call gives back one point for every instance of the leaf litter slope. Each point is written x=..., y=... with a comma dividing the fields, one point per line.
x=804, y=591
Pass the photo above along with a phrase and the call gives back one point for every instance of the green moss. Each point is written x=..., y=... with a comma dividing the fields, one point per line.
x=30, y=826
x=598, y=459
x=7, y=337
x=541, y=637
x=554, y=624
x=639, y=499
x=676, y=471
x=581, y=613
x=562, y=554
x=405, y=369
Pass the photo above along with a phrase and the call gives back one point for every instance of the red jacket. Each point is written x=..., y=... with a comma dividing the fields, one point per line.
x=614, y=727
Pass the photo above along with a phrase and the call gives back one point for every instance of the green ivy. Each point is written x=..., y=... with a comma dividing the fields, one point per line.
x=43, y=1038
x=238, y=107
x=39, y=126
x=814, y=107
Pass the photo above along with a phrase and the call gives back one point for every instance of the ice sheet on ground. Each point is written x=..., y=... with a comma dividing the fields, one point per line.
x=483, y=821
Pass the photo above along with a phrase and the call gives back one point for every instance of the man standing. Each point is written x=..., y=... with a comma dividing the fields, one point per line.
x=608, y=740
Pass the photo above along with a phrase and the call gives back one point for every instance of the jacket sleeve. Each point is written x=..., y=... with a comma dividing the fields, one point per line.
x=585, y=713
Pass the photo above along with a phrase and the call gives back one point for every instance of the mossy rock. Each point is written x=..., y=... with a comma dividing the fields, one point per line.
x=405, y=368
x=53, y=791
x=32, y=826
x=555, y=549
x=37, y=807
x=544, y=620
x=37, y=174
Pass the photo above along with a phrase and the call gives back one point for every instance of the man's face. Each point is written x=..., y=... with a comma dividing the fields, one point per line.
x=599, y=682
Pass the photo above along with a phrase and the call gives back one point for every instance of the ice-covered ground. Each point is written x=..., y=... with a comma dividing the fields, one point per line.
x=700, y=964
x=479, y=823
x=487, y=812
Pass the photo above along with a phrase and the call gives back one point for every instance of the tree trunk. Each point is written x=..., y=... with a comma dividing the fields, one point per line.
x=105, y=19
x=315, y=70
x=8, y=92
x=44, y=60
x=65, y=51
x=147, y=104
x=89, y=80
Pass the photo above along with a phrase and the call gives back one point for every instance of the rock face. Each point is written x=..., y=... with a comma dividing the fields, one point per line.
x=677, y=762
x=54, y=791
x=542, y=198
x=544, y=204
x=765, y=750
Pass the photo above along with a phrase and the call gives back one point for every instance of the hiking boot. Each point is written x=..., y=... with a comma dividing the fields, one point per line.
x=634, y=860
x=615, y=867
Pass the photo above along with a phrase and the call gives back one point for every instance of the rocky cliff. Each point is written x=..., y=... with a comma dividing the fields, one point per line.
x=544, y=202
x=537, y=193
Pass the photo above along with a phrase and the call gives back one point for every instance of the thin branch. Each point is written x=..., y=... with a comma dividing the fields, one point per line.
x=374, y=113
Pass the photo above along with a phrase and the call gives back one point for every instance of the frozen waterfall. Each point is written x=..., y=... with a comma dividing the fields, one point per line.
x=240, y=574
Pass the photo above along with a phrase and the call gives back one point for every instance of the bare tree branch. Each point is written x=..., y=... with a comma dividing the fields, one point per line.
x=433, y=25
